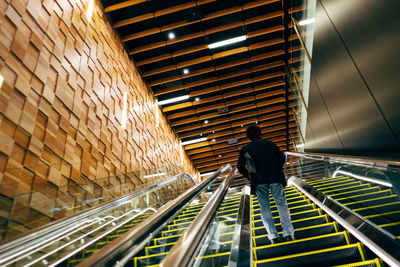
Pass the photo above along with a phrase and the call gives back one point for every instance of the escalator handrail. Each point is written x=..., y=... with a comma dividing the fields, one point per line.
x=109, y=254
x=182, y=252
x=366, y=161
x=27, y=241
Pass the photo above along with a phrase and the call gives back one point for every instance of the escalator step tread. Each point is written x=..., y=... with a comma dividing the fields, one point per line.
x=337, y=255
x=302, y=245
x=370, y=263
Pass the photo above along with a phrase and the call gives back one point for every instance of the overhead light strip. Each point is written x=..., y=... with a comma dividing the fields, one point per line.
x=154, y=175
x=173, y=100
x=194, y=141
x=206, y=174
x=227, y=42
x=306, y=21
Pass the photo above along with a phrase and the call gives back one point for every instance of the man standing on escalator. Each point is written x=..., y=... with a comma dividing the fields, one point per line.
x=264, y=163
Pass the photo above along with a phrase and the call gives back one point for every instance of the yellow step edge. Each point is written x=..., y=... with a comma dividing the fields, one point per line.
x=297, y=207
x=299, y=220
x=319, y=181
x=167, y=231
x=296, y=213
x=357, y=191
x=157, y=246
x=381, y=214
x=335, y=226
x=389, y=224
x=288, y=203
x=299, y=241
x=368, y=194
x=338, y=185
x=377, y=262
x=215, y=255
x=360, y=247
x=307, y=253
x=368, y=200
x=377, y=206
x=176, y=220
x=333, y=181
x=345, y=188
x=144, y=257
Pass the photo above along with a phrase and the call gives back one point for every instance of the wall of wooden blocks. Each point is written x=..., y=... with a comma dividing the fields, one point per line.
x=62, y=101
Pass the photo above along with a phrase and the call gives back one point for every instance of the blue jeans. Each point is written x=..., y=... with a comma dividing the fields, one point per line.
x=262, y=192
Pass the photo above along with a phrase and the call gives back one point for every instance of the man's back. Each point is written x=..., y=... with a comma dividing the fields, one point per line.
x=268, y=161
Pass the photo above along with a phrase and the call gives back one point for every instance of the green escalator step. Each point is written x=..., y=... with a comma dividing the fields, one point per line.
x=324, y=257
x=301, y=245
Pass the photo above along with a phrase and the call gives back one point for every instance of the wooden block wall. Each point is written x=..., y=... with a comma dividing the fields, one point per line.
x=61, y=102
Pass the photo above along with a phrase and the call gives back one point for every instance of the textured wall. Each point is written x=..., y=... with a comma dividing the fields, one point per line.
x=355, y=85
x=61, y=101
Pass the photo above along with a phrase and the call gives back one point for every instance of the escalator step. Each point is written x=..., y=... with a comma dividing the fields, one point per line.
x=378, y=209
x=296, y=224
x=218, y=259
x=393, y=228
x=338, y=186
x=384, y=218
x=371, y=263
x=363, y=197
x=148, y=260
x=300, y=233
x=294, y=216
x=372, y=202
x=301, y=245
x=351, y=193
x=346, y=189
x=257, y=216
x=325, y=257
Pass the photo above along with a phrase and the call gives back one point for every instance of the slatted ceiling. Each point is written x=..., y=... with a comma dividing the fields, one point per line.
x=247, y=77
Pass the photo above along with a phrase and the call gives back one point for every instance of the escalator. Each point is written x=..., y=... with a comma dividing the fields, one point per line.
x=338, y=221
x=319, y=239
x=162, y=243
x=372, y=201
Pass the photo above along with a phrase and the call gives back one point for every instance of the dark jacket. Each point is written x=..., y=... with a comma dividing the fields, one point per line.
x=264, y=163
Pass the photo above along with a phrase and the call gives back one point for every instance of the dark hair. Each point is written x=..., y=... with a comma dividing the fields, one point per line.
x=253, y=132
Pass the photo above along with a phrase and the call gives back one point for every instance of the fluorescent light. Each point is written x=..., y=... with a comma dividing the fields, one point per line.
x=206, y=121
x=298, y=146
x=206, y=174
x=89, y=11
x=306, y=21
x=154, y=175
x=185, y=71
x=194, y=141
x=171, y=35
x=1, y=80
x=364, y=178
x=172, y=100
x=227, y=42
x=213, y=140
x=197, y=99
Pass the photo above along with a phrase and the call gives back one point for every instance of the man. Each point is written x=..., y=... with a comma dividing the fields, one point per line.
x=264, y=163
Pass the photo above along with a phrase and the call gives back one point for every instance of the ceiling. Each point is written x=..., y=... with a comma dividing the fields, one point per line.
x=229, y=87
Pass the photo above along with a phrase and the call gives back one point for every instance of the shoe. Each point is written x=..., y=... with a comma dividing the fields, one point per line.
x=290, y=238
x=274, y=241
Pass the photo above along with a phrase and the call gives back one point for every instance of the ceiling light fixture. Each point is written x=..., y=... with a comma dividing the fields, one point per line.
x=171, y=35
x=172, y=100
x=1, y=80
x=213, y=140
x=185, y=71
x=197, y=99
x=206, y=121
x=194, y=141
x=306, y=21
x=154, y=175
x=227, y=42
x=206, y=174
